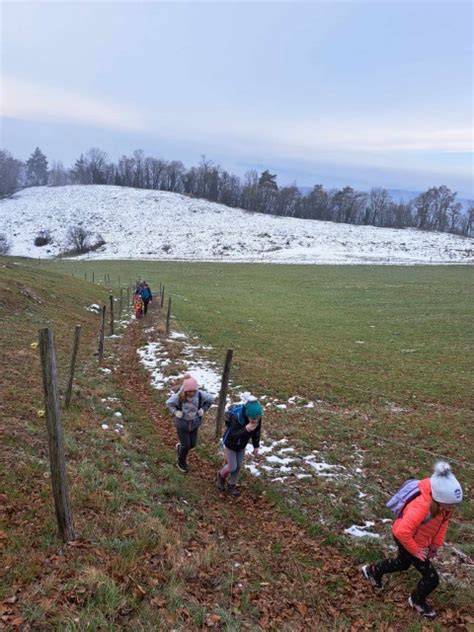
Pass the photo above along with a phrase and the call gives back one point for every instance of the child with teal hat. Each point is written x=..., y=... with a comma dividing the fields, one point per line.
x=243, y=423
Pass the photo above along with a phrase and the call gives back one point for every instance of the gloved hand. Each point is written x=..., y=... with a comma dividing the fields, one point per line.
x=179, y=414
x=422, y=554
x=432, y=551
x=201, y=412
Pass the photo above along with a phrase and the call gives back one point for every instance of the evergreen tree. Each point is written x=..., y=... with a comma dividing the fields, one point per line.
x=37, y=169
x=268, y=180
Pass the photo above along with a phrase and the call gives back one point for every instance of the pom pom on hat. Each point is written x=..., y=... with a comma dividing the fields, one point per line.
x=189, y=383
x=445, y=487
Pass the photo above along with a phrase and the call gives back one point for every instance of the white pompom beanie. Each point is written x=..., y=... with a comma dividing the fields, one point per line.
x=445, y=487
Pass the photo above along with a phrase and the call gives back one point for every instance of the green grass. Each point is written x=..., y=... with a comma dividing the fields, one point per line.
x=294, y=331
x=299, y=326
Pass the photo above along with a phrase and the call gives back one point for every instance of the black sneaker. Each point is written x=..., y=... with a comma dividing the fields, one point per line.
x=220, y=482
x=423, y=609
x=182, y=467
x=369, y=574
x=232, y=490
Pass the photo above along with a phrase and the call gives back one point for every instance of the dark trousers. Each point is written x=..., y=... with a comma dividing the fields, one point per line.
x=145, y=305
x=187, y=440
x=429, y=577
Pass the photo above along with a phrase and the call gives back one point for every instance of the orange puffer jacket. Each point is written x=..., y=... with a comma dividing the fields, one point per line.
x=409, y=529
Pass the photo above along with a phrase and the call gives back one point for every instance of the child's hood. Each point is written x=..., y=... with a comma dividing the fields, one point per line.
x=425, y=489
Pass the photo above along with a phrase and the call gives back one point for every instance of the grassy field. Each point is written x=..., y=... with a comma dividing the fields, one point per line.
x=365, y=340
x=386, y=351
x=325, y=330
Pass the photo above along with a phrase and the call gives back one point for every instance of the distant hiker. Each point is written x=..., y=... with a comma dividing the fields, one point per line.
x=188, y=406
x=243, y=422
x=137, y=305
x=146, y=295
x=419, y=531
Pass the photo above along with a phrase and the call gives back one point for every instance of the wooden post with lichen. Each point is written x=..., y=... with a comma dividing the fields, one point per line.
x=168, y=316
x=111, y=299
x=102, y=333
x=55, y=436
x=223, y=392
x=75, y=347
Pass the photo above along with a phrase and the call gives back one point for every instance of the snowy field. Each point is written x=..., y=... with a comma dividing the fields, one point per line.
x=143, y=224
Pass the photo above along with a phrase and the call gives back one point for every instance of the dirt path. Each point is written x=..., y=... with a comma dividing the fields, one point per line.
x=303, y=584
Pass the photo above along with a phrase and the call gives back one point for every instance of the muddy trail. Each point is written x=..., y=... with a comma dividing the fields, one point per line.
x=268, y=573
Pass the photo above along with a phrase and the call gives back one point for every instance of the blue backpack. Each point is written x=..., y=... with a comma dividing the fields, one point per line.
x=238, y=411
x=407, y=492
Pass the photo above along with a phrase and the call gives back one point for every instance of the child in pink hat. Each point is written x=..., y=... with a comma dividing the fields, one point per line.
x=188, y=406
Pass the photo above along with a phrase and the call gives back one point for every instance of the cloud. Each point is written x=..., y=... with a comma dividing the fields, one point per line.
x=34, y=102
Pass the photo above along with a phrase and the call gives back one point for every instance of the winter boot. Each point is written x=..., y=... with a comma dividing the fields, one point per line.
x=182, y=467
x=423, y=609
x=368, y=571
x=233, y=491
x=220, y=482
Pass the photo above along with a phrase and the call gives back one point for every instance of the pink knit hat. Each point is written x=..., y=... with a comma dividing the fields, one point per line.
x=189, y=383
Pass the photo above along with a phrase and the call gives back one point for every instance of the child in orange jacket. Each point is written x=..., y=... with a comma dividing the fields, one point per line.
x=419, y=531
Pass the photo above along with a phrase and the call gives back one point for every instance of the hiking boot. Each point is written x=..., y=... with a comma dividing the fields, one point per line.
x=423, y=609
x=232, y=490
x=182, y=467
x=368, y=571
x=220, y=482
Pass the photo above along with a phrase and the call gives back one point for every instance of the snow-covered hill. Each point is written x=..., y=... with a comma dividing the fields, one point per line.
x=142, y=224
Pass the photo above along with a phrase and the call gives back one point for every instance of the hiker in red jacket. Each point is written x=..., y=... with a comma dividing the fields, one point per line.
x=419, y=531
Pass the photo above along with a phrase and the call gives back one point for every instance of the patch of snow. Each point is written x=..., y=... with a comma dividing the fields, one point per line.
x=105, y=370
x=360, y=531
x=93, y=308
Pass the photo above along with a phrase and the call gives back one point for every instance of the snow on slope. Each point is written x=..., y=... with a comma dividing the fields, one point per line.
x=143, y=224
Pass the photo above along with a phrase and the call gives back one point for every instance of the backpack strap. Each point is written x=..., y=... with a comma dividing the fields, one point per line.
x=180, y=403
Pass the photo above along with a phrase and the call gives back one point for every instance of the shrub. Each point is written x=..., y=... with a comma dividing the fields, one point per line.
x=43, y=238
x=80, y=241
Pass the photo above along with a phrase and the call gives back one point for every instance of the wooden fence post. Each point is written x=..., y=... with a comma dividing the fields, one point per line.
x=93, y=279
x=75, y=347
x=121, y=303
x=168, y=316
x=102, y=333
x=55, y=436
x=162, y=298
x=223, y=392
x=111, y=299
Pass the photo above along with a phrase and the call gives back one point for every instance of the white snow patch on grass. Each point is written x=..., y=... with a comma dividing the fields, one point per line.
x=360, y=531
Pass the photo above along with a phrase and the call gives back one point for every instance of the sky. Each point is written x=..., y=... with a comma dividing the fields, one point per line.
x=365, y=93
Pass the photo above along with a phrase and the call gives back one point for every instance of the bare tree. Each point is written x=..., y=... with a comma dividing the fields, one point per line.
x=79, y=239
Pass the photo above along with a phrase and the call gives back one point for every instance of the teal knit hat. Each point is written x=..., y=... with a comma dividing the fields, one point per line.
x=253, y=409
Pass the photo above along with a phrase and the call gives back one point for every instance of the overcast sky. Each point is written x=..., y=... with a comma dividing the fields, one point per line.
x=364, y=93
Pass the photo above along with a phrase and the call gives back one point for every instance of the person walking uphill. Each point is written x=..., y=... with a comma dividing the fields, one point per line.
x=146, y=295
x=244, y=422
x=188, y=406
x=419, y=531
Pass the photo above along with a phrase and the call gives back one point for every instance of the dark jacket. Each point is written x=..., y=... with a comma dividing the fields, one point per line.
x=146, y=294
x=236, y=437
x=190, y=419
